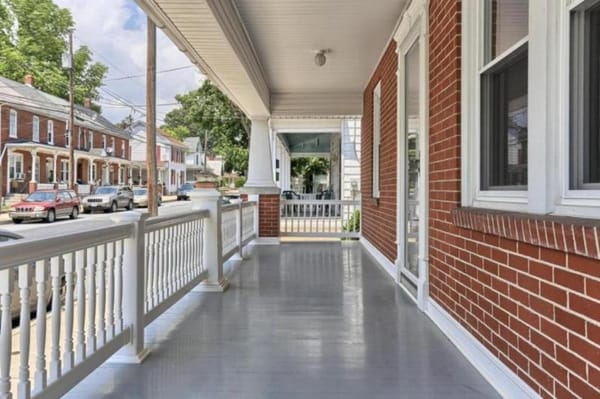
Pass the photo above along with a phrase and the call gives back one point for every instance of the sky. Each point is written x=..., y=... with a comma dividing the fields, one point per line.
x=115, y=31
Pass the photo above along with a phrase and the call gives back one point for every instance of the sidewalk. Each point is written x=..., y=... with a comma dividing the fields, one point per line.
x=4, y=219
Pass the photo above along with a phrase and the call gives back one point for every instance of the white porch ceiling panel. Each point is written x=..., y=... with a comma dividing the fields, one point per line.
x=261, y=52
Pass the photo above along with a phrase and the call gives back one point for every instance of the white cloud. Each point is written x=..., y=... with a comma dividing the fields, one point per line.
x=115, y=31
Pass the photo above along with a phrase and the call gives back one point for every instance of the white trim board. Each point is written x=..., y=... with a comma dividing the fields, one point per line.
x=380, y=258
x=500, y=377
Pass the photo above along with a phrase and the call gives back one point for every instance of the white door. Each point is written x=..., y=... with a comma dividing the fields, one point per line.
x=412, y=209
x=15, y=168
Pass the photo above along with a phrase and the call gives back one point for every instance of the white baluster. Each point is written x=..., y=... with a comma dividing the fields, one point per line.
x=168, y=258
x=101, y=290
x=40, y=318
x=68, y=357
x=148, y=264
x=80, y=338
x=56, y=268
x=119, y=285
x=6, y=286
x=110, y=303
x=24, y=282
x=155, y=268
x=91, y=300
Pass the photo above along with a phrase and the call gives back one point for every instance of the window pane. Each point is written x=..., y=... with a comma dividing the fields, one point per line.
x=507, y=24
x=504, y=127
x=585, y=99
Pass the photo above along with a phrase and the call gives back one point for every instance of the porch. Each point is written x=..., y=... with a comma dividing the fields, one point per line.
x=299, y=320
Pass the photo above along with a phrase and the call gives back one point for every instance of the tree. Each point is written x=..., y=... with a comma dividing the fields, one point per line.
x=207, y=109
x=126, y=123
x=32, y=41
x=308, y=167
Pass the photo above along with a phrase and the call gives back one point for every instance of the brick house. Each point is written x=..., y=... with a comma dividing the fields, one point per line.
x=34, y=142
x=480, y=178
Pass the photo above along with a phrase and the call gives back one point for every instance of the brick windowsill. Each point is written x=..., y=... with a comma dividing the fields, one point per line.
x=567, y=234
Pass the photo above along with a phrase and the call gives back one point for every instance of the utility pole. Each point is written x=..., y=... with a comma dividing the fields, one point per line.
x=151, y=166
x=71, y=115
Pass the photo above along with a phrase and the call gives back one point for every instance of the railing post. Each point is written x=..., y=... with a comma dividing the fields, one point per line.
x=133, y=293
x=212, y=256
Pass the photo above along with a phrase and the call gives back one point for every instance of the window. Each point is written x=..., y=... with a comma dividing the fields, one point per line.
x=67, y=134
x=112, y=145
x=93, y=177
x=504, y=96
x=122, y=148
x=50, y=132
x=81, y=138
x=35, y=128
x=12, y=126
x=585, y=97
x=104, y=141
x=91, y=140
x=376, y=137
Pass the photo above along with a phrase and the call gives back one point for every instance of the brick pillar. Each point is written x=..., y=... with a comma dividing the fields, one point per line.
x=268, y=215
x=32, y=187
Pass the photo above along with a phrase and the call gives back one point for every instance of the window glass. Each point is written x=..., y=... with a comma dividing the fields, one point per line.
x=12, y=123
x=35, y=127
x=51, y=132
x=507, y=23
x=585, y=98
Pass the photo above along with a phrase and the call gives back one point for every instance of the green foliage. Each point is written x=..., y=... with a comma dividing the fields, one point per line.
x=207, y=109
x=33, y=38
x=126, y=123
x=353, y=223
x=306, y=168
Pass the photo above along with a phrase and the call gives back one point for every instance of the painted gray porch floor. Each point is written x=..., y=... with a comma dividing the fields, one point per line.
x=314, y=320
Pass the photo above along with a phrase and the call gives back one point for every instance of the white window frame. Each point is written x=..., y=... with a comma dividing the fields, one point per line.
x=50, y=132
x=94, y=172
x=473, y=66
x=35, y=129
x=67, y=134
x=91, y=140
x=376, y=140
x=548, y=113
x=13, y=124
x=122, y=148
x=571, y=202
x=104, y=142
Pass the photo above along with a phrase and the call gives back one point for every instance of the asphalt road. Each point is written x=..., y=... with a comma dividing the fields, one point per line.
x=32, y=229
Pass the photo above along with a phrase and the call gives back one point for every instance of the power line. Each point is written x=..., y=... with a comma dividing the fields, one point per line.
x=143, y=75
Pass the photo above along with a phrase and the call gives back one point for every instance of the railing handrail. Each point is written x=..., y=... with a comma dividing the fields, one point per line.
x=247, y=204
x=23, y=251
x=321, y=202
x=161, y=222
x=229, y=207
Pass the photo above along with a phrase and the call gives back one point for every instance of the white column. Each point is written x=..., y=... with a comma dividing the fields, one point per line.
x=90, y=177
x=33, y=166
x=260, y=163
x=74, y=168
x=105, y=173
x=55, y=171
x=212, y=256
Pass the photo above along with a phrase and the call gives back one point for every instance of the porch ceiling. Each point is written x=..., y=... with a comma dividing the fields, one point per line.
x=261, y=52
x=307, y=143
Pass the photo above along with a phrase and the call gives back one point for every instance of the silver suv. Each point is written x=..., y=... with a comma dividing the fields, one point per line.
x=109, y=199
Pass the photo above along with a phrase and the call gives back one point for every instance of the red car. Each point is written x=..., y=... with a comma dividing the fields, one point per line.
x=47, y=205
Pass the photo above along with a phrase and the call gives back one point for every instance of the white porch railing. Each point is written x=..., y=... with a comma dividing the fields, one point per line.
x=94, y=291
x=238, y=227
x=320, y=218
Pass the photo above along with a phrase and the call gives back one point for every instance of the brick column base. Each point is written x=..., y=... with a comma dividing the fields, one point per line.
x=32, y=187
x=268, y=215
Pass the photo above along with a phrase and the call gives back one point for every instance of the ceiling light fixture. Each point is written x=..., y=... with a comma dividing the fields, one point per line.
x=321, y=58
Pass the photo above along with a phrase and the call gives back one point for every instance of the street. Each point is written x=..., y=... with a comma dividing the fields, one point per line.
x=33, y=229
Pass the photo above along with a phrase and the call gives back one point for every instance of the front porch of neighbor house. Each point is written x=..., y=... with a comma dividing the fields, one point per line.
x=317, y=320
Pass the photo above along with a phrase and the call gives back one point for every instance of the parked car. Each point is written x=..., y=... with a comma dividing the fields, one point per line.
x=109, y=199
x=47, y=205
x=140, y=197
x=183, y=193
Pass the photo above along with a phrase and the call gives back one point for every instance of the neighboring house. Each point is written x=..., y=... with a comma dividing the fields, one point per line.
x=194, y=160
x=34, y=142
x=170, y=158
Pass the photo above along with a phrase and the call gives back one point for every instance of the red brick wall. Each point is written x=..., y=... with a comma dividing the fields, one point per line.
x=379, y=216
x=268, y=215
x=527, y=288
